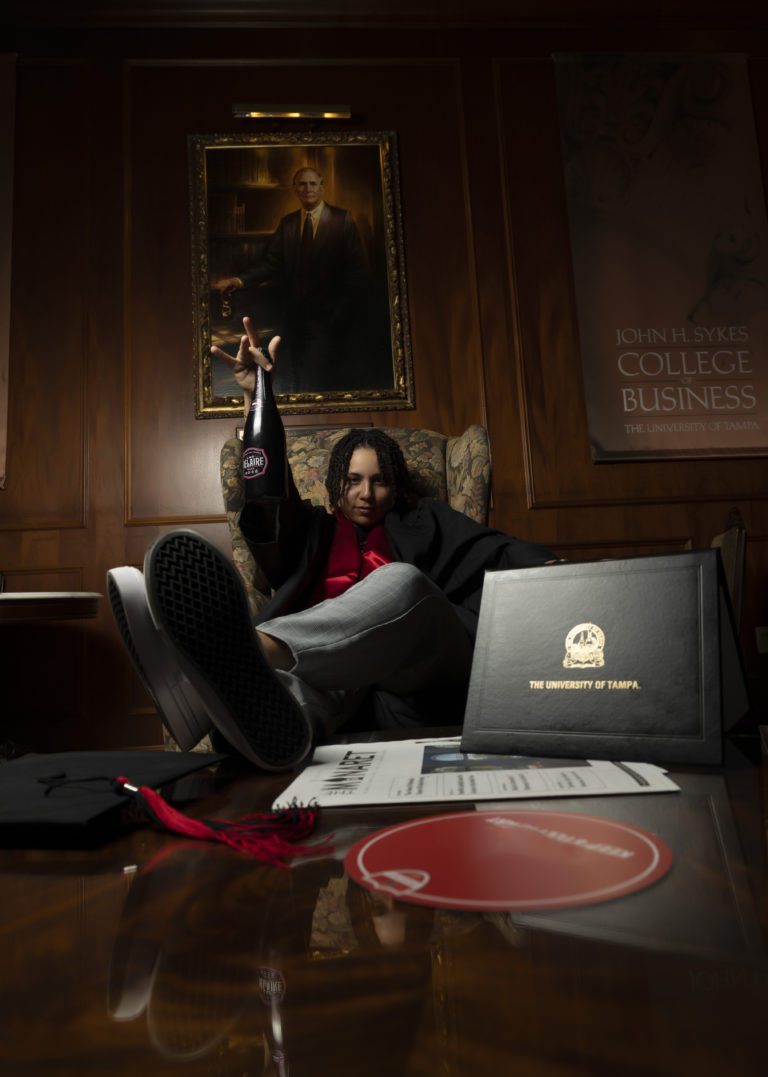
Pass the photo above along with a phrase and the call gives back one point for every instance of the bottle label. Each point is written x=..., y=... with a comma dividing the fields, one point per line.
x=255, y=463
x=271, y=985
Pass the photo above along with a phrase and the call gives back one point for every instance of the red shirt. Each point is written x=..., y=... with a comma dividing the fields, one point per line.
x=348, y=560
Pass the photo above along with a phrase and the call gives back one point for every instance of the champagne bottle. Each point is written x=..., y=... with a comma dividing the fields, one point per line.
x=264, y=459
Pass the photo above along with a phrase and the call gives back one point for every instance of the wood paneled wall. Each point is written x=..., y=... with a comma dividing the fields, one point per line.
x=104, y=450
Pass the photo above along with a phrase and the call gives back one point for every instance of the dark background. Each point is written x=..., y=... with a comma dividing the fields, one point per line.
x=104, y=450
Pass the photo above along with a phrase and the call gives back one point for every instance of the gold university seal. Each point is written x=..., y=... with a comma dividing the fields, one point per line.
x=584, y=646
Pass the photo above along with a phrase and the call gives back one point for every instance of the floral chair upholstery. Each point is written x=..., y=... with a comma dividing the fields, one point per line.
x=453, y=469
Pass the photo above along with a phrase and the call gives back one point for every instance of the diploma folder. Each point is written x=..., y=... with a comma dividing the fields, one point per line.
x=631, y=659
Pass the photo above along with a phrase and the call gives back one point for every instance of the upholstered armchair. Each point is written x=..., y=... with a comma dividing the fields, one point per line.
x=453, y=469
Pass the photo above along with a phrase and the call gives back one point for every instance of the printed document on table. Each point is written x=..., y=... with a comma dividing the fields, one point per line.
x=435, y=770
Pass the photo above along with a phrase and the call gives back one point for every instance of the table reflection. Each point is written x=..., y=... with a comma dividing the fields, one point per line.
x=157, y=955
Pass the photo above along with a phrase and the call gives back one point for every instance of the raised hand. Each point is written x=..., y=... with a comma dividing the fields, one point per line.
x=226, y=284
x=250, y=355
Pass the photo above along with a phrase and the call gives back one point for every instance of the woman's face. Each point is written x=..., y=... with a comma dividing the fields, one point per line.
x=367, y=497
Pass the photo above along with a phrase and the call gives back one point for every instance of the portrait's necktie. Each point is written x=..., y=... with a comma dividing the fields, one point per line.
x=307, y=238
x=308, y=234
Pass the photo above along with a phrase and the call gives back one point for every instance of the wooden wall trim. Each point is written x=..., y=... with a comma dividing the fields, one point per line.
x=127, y=334
x=629, y=547
x=510, y=15
x=173, y=521
x=33, y=399
x=516, y=339
x=478, y=359
x=290, y=61
x=720, y=497
x=7, y=117
x=77, y=572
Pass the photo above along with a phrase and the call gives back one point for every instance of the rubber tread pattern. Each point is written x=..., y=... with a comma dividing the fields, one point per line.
x=198, y=599
x=121, y=620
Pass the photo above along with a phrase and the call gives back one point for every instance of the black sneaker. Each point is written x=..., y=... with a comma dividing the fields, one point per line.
x=178, y=704
x=199, y=605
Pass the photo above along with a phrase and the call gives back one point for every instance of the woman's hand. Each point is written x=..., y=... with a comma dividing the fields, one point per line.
x=226, y=284
x=249, y=356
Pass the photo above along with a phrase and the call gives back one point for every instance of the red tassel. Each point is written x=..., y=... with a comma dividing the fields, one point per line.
x=269, y=836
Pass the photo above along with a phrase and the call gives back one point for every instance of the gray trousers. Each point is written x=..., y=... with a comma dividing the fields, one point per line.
x=394, y=630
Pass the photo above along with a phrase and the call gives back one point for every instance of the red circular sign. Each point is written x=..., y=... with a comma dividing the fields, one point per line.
x=509, y=860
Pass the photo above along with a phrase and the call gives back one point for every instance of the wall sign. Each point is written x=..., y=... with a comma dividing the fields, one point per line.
x=669, y=240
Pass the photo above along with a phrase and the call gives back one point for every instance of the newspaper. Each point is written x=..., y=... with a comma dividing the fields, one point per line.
x=420, y=771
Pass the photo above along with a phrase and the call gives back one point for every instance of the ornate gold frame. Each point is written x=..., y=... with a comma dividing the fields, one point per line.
x=385, y=241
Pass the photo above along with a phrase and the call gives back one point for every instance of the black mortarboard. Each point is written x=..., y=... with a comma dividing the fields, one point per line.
x=82, y=798
x=69, y=797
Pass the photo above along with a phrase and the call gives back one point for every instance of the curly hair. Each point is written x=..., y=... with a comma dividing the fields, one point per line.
x=391, y=461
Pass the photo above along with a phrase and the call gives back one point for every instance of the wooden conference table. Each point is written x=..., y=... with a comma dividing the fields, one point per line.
x=155, y=955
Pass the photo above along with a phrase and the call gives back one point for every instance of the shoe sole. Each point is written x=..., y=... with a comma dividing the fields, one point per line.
x=199, y=606
x=176, y=701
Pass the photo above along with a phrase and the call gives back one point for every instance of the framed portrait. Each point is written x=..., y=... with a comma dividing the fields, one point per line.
x=302, y=232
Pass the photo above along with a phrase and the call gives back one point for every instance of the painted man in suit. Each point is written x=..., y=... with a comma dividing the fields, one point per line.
x=317, y=259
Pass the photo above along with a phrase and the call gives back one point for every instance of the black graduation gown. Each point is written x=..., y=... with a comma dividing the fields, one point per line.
x=292, y=544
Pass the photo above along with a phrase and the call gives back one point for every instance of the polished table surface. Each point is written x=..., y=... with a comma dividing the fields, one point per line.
x=153, y=954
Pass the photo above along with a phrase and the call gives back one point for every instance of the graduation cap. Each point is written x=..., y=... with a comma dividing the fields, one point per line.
x=86, y=797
